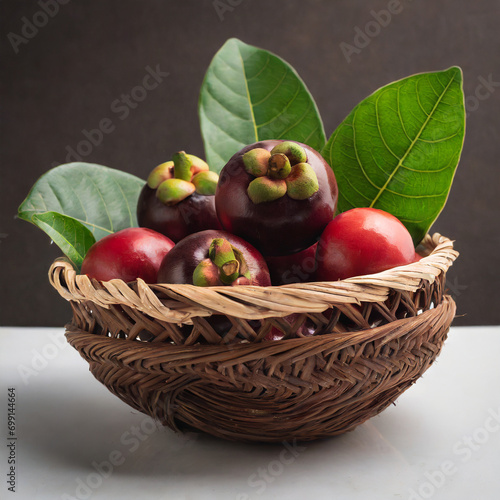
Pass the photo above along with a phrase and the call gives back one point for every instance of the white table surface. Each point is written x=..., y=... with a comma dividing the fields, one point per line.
x=441, y=440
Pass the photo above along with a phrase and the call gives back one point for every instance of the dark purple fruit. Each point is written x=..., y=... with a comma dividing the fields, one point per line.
x=178, y=198
x=306, y=329
x=277, y=195
x=297, y=267
x=214, y=258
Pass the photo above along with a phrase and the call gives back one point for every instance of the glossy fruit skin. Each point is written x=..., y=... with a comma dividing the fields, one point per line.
x=362, y=241
x=307, y=328
x=417, y=257
x=195, y=213
x=297, y=267
x=127, y=254
x=179, y=264
x=221, y=324
x=282, y=226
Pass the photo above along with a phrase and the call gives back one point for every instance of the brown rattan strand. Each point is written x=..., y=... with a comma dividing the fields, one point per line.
x=182, y=303
x=124, y=322
x=300, y=389
x=340, y=307
x=201, y=358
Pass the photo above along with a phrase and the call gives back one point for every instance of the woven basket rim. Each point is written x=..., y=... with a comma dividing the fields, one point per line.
x=182, y=355
x=180, y=303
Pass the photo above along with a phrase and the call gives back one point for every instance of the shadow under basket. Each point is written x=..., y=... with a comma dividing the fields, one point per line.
x=201, y=359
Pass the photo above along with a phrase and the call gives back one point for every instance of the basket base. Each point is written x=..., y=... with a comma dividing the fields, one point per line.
x=302, y=389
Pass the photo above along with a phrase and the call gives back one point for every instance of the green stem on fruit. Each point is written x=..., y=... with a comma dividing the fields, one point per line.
x=222, y=255
x=256, y=161
x=173, y=191
x=263, y=189
x=302, y=182
x=182, y=166
x=244, y=271
x=281, y=171
x=205, y=182
x=279, y=166
x=206, y=273
x=225, y=265
x=160, y=173
x=295, y=152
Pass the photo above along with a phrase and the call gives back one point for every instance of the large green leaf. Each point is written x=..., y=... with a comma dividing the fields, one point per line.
x=249, y=95
x=399, y=148
x=101, y=198
x=71, y=236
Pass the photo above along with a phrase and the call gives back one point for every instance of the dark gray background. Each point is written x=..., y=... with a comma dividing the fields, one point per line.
x=66, y=77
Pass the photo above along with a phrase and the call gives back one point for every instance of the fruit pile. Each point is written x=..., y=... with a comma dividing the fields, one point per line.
x=291, y=206
x=268, y=219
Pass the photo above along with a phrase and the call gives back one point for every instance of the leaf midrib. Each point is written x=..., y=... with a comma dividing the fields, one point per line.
x=61, y=235
x=402, y=159
x=29, y=213
x=83, y=222
x=248, y=95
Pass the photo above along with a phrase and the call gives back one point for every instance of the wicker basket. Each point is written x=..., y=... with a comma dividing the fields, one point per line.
x=157, y=347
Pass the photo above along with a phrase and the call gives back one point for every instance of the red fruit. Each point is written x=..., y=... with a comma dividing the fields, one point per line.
x=277, y=195
x=362, y=241
x=127, y=254
x=294, y=268
x=217, y=258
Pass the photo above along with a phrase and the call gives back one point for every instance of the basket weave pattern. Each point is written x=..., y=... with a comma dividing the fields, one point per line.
x=158, y=349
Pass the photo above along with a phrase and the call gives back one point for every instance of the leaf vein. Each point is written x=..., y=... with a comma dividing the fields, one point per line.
x=255, y=104
x=411, y=145
x=226, y=85
x=377, y=115
x=129, y=208
x=103, y=201
x=262, y=69
x=355, y=147
x=68, y=183
x=283, y=110
x=398, y=107
x=442, y=139
x=221, y=104
x=418, y=100
x=295, y=124
x=248, y=96
x=403, y=195
x=218, y=127
x=312, y=132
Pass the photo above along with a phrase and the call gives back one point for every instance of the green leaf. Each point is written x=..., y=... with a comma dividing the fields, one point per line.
x=104, y=200
x=72, y=237
x=249, y=95
x=399, y=148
